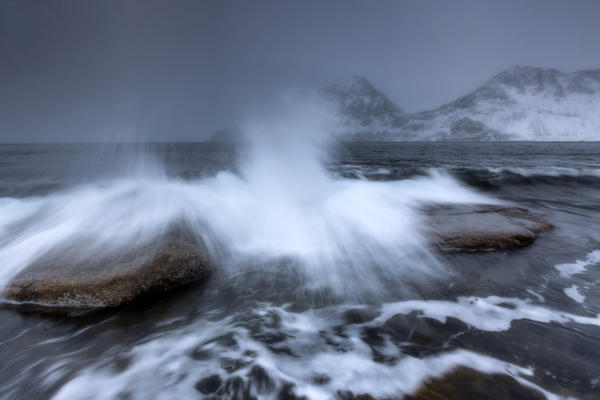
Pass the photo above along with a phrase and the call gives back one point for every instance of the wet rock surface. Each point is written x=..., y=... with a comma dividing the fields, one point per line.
x=73, y=278
x=527, y=343
x=468, y=384
x=419, y=336
x=359, y=316
x=480, y=227
x=210, y=384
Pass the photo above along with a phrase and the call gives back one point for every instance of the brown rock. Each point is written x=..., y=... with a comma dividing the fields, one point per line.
x=466, y=227
x=468, y=384
x=75, y=278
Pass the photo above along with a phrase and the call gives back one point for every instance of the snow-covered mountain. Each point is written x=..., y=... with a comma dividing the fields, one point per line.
x=521, y=103
x=368, y=113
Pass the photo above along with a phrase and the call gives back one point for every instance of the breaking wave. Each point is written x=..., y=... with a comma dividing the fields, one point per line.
x=347, y=235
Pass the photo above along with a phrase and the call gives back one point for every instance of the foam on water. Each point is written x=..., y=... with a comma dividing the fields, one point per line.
x=315, y=368
x=575, y=293
x=491, y=313
x=579, y=266
x=553, y=171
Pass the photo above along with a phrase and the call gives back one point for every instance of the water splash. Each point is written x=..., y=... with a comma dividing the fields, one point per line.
x=351, y=236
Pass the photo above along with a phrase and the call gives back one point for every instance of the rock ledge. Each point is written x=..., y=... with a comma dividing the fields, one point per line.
x=480, y=227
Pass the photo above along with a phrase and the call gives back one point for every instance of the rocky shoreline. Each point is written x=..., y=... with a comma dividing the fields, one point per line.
x=64, y=280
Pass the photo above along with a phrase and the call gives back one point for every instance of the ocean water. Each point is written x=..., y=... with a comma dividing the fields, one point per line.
x=326, y=285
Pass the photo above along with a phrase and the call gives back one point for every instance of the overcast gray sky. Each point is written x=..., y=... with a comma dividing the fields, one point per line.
x=178, y=70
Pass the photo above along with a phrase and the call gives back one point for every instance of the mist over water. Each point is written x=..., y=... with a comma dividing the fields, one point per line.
x=280, y=203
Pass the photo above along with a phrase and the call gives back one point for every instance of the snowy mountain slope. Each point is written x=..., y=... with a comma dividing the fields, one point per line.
x=368, y=113
x=521, y=103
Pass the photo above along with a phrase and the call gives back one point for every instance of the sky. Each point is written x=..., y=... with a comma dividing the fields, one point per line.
x=123, y=70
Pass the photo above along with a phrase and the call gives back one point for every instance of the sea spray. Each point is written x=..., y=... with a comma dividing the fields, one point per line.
x=357, y=238
x=354, y=237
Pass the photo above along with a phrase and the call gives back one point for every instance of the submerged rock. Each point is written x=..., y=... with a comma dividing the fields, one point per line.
x=359, y=315
x=478, y=227
x=468, y=384
x=74, y=277
x=209, y=385
x=418, y=335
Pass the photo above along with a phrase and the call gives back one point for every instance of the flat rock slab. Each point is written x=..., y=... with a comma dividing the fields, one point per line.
x=480, y=227
x=75, y=278
x=465, y=383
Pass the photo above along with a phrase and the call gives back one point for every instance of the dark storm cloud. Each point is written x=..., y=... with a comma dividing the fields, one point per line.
x=177, y=70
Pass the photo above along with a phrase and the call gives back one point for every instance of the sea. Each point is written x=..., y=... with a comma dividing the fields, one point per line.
x=325, y=286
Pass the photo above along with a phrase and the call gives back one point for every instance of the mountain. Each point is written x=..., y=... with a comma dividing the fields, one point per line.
x=369, y=114
x=520, y=103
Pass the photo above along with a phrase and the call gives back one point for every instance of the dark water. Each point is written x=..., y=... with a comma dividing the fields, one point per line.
x=259, y=330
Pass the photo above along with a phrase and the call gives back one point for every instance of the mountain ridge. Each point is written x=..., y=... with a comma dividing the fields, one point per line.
x=519, y=103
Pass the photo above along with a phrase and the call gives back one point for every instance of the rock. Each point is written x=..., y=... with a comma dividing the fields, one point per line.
x=70, y=278
x=527, y=343
x=209, y=385
x=231, y=365
x=287, y=393
x=468, y=384
x=348, y=395
x=321, y=379
x=234, y=388
x=418, y=335
x=477, y=227
x=359, y=315
x=259, y=380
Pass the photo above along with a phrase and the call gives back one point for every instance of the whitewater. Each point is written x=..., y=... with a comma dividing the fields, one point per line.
x=281, y=203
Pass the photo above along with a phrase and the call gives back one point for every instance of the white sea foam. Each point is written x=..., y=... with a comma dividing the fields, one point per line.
x=536, y=295
x=579, y=266
x=166, y=358
x=553, y=171
x=574, y=293
x=491, y=313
